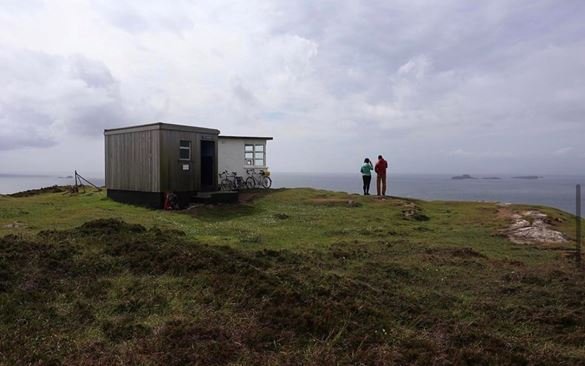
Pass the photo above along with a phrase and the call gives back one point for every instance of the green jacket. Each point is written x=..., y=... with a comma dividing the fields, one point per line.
x=367, y=169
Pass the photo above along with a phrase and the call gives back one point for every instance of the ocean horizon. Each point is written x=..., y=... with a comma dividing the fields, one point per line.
x=549, y=190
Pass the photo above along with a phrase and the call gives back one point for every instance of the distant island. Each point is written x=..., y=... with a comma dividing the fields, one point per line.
x=527, y=177
x=464, y=176
x=467, y=176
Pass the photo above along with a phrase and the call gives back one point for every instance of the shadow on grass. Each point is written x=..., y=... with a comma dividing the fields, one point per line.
x=223, y=212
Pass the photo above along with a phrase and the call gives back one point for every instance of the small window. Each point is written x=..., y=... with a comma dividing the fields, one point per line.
x=185, y=150
x=254, y=154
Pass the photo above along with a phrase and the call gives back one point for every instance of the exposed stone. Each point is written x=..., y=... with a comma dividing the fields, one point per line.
x=413, y=212
x=15, y=225
x=533, y=227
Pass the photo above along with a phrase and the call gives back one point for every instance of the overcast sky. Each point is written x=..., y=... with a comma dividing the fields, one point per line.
x=450, y=86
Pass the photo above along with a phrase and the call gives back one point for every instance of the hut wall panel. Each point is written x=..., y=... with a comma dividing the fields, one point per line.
x=173, y=177
x=131, y=162
x=155, y=161
x=147, y=159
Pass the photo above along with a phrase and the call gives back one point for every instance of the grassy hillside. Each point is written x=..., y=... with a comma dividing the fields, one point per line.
x=294, y=276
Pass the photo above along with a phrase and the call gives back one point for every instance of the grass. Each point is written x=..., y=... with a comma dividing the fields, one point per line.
x=294, y=277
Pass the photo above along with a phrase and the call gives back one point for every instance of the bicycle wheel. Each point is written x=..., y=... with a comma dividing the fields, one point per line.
x=266, y=182
x=250, y=183
x=226, y=185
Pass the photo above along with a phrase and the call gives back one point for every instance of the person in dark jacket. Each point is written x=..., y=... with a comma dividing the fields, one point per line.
x=366, y=171
x=380, y=169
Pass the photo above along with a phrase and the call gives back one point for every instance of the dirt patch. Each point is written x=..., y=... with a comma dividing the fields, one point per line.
x=253, y=195
x=334, y=202
x=455, y=257
x=227, y=211
x=220, y=211
x=464, y=252
x=531, y=227
x=411, y=211
x=281, y=216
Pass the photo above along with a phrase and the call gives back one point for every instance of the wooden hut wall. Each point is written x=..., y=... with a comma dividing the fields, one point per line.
x=173, y=177
x=133, y=161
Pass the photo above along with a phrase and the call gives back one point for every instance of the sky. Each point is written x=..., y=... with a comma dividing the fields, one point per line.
x=450, y=86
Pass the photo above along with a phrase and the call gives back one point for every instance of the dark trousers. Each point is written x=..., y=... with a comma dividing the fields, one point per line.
x=381, y=184
x=367, y=180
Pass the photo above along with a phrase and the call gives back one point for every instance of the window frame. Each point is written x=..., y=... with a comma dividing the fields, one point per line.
x=188, y=148
x=251, y=162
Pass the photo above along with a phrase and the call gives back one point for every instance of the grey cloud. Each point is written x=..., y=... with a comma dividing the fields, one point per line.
x=23, y=127
x=242, y=93
x=494, y=64
x=8, y=142
x=94, y=74
x=43, y=96
x=500, y=82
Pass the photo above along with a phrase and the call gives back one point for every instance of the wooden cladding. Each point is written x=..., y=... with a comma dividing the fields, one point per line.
x=154, y=158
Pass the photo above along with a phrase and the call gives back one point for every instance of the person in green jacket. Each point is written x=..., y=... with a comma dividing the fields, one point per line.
x=366, y=171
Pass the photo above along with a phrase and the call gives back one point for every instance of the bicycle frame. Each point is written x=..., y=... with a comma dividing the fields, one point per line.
x=258, y=178
x=234, y=181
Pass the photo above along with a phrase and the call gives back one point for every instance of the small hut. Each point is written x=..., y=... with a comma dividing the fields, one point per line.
x=144, y=162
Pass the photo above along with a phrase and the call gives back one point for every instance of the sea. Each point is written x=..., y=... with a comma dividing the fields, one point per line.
x=548, y=190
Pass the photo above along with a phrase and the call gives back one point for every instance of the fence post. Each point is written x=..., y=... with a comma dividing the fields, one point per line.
x=578, y=226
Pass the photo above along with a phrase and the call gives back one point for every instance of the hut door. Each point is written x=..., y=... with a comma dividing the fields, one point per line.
x=207, y=164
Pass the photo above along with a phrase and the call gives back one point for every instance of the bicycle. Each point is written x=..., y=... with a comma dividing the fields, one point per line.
x=231, y=181
x=260, y=179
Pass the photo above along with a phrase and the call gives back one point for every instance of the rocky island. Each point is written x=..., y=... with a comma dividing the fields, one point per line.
x=527, y=177
x=462, y=177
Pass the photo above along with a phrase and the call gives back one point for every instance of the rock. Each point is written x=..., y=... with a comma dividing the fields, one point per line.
x=14, y=225
x=518, y=224
x=464, y=176
x=527, y=177
x=529, y=227
x=413, y=212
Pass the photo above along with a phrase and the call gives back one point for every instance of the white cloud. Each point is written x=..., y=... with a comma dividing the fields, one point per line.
x=411, y=79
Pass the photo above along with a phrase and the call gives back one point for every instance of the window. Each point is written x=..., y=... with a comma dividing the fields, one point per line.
x=254, y=154
x=184, y=150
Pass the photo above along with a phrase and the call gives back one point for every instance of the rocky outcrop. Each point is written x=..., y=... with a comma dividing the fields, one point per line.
x=411, y=211
x=464, y=176
x=530, y=227
x=527, y=177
